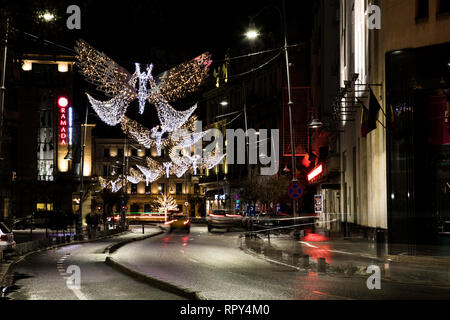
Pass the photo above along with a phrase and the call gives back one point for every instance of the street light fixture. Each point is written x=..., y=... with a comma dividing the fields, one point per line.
x=47, y=16
x=315, y=124
x=252, y=33
x=68, y=155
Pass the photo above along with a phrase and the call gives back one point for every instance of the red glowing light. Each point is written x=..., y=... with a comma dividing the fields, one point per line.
x=63, y=102
x=318, y=170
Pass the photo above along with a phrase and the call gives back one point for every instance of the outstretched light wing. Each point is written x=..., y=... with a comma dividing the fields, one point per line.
x=135, y=176
x=139, y=133
x=183, y=79
x=111, y=111
x=170, y=118
x=102, y=71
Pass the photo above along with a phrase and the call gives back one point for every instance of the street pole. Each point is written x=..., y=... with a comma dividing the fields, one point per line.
x=218, y=197
x=79, y=228
x=247, y=150
x=3, y=91
x=124, y=170
x=291, y=106
x=282, y=14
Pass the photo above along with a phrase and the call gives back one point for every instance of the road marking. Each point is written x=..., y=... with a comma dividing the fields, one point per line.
x=193, y=260
x=79, y=294
x=59, y=265
x=309, y=245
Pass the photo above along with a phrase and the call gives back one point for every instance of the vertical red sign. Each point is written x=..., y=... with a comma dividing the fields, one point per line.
x=63, y=102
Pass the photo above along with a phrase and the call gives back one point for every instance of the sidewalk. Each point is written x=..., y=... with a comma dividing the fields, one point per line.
x=39, y=245
x=351, y=256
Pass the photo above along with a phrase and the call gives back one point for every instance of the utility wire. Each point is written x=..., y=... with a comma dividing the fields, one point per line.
x=254, y=69
x=258, y=53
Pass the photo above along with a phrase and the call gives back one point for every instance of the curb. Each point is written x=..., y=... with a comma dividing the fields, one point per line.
x=160, y=284
x=163, y=285
x=113, y=248
x=22, y=257
x=244, y=248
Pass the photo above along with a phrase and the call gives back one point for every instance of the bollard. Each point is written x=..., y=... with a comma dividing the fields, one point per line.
x=143, y=229
x=295, y=259
x=305, y=263
x=321, y=265
x=1, y=255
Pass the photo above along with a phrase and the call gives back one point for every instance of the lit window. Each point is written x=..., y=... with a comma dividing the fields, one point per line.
x=44, y=206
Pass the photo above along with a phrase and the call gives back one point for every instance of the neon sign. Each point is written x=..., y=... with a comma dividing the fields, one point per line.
x=318, y=170
x=63, y=102
x=70, y=125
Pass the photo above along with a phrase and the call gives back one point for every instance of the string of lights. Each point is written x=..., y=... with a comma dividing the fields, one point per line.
x=166, y=203
x=173, y=84
x=150, y=175
x=135, y=176
x=112, y=111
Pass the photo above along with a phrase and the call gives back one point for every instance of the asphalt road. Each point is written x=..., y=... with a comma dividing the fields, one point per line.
x=209, y=263
x=43, y=276
x=212, y=264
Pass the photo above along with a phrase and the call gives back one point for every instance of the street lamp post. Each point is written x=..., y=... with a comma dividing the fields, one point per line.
x=124, y=171
x=79, y=226
x=252, y=34
x=3, y=91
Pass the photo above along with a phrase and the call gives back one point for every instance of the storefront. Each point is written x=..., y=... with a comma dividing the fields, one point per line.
x=418, y=143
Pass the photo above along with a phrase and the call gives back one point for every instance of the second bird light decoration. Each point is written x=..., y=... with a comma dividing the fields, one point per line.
x=176, y=128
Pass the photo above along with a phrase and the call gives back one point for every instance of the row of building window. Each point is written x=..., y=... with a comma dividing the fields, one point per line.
x=134, y=153
x=161, y=188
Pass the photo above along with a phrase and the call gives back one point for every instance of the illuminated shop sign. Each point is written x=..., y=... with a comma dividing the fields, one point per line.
x=70, y=109
x=315, y=173
x=63, y=102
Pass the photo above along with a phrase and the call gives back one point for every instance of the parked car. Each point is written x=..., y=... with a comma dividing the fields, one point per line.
x=21, y=223
x=223, y=219
x=273, y=220
x=6, y=238
x=266, y=220
x=179, y=222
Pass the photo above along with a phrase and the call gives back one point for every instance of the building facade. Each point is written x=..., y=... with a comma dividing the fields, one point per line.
x=112, y=155
x=393, y=178
x=42, y=125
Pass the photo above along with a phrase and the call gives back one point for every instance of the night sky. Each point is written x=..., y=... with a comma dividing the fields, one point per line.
x=164, y=33
x=167, y=32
